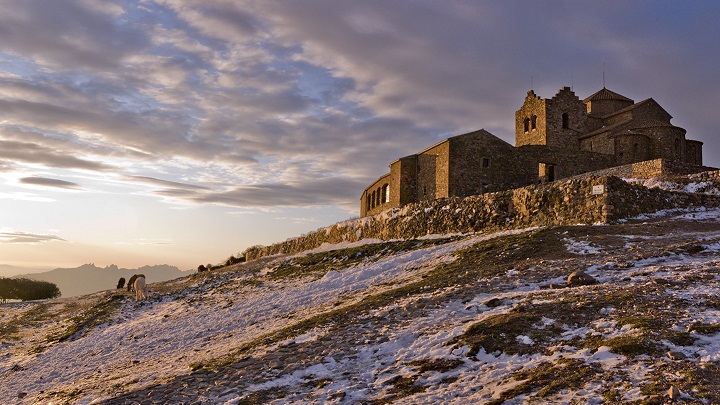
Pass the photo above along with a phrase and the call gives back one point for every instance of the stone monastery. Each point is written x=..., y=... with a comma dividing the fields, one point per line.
x=555, y=138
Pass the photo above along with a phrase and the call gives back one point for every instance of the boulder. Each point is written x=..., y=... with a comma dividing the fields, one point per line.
x=675, y=355
x=578, y=278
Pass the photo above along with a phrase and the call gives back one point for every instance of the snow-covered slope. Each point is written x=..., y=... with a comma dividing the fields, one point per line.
x=446, y=319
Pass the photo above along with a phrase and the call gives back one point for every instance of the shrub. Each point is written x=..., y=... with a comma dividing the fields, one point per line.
x=25, y=289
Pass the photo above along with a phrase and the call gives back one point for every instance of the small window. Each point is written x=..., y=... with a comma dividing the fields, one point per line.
x=486, y=162
x=565, y=121
x=485, y=188
x=550, y=173
x=368, y=205
x=526, y=124
x=533, y=122
x=386, y=194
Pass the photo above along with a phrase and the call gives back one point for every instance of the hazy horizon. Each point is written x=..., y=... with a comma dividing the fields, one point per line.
x=12, y=271
x=181, y=132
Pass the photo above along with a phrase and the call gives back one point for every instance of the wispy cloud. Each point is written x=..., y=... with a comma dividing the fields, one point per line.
x=8, y=236
x=166, y=183
x=303, y=104
x=47, y=182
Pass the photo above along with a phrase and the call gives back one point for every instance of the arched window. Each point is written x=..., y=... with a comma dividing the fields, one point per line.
x=565, y=121
x=533, y=122
x=386, y=194
x=676, y=146
x=372, y=198
x=526, y=124
x=379, y=196
x=368, y=204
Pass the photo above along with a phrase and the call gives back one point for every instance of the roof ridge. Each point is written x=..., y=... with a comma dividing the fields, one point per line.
x=605, y=94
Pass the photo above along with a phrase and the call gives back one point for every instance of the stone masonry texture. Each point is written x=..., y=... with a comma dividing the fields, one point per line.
x=587, y=200
x=557, y=138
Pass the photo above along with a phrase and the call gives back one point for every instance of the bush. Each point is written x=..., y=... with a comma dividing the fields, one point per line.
x=25, y=289
x=234, y=260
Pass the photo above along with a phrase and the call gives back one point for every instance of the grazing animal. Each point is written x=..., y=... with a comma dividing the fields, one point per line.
x=131, y=282
x=121, y=283
x=140, y=288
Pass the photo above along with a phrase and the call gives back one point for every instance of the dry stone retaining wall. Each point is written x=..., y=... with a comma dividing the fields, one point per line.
x=595, y=199
x=649, y=169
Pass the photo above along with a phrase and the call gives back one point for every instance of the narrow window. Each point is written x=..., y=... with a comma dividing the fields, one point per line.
x=486, y=162
x=533, y=122
x=676, y=146
x=379, y=196
x=565, y=121
x=367, y=203
x=550, y=173
x=526, y=124
x=386, y=194
x=485, y=188
x=372, y=198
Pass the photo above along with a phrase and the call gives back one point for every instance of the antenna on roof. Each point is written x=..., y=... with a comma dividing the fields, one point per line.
x=603, y=73
x=572, y=82
x=531, y=83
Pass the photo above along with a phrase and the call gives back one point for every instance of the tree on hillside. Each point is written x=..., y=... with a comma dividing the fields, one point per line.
x=6, y=289
x=25, y=289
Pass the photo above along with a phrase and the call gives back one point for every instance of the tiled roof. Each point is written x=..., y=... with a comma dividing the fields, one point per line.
x=605, y=94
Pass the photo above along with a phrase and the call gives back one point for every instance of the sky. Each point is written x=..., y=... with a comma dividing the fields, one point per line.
x=184, y=131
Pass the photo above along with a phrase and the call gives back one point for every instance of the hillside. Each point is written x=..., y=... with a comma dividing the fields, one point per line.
x=89, y=278
x=9, y=271
x=473, y=318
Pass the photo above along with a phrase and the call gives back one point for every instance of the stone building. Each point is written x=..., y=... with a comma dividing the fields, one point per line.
x=555, y=138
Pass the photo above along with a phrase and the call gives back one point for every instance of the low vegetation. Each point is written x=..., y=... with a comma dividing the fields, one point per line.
x=24, y=289
x=499, y=300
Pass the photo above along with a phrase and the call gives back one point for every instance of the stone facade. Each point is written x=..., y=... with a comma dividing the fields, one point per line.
x=555, y=138
x=586, y=200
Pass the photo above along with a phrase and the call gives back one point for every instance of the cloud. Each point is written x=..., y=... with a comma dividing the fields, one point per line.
x=320, y=192
x=39, y=154
x=250, y=103
x=7, y=236
x=46, y=182
x=166, y=183
x=91, y=37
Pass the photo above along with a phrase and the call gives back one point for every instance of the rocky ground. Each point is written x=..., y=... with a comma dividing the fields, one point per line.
x=446, y=319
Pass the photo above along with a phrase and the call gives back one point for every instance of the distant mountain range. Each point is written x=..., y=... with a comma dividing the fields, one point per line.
x=7, y=270
x=89, y=278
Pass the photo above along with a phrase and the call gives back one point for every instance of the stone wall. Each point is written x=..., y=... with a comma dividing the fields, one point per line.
x=480, y=158
x=641, y=170
x=589, y=200
x=533, y=106
x=626, y=200
x=649, y=169
x=710, y=175
x=558, y=136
